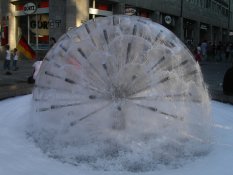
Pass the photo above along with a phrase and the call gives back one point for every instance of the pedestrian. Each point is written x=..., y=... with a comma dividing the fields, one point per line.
x=15, y=59
x=204, y=46
x=36, y=68
x=198, y=55
x=7, y=61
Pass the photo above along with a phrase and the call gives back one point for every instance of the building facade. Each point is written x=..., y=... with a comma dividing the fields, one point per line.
x=38, y=20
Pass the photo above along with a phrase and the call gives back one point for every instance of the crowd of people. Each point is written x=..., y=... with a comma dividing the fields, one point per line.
x=207, y=51
x=218, y=53
x=204, y=51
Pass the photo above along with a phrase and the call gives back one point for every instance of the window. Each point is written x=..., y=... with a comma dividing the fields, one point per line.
x=35, y=29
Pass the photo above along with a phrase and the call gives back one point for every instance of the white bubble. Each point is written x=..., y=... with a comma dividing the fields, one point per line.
x=121, y=93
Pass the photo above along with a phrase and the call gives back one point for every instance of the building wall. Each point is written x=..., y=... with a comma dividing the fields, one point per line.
x=190, y=10
x=166, y=6
x=205, y=15
x=57, y=18
x=196, y=11
x=65, y=14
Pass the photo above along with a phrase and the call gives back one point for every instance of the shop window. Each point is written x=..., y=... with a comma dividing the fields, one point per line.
x=35, y=29
x=32, y=26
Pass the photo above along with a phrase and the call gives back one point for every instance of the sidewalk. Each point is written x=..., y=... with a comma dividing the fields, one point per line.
x=16, y=84
x=213, y=74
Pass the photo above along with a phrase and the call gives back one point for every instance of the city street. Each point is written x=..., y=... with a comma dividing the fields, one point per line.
x=16, y=84
x=213, y=73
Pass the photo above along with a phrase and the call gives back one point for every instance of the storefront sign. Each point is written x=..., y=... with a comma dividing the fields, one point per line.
x=204, y=27
x=29, y=8
x=54, y=23
x=42, y=27
x=130, y=11
x=168, y=19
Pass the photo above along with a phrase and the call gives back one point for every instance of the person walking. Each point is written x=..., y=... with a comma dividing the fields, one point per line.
x=204, y=47
x=36, y=68
x=7, y=60
x=198, y=53
x=15, y=59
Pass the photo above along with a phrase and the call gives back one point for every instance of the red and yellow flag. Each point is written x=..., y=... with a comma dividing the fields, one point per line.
x=25, y=49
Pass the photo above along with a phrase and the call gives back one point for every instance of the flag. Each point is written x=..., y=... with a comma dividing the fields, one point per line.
x=25, y=49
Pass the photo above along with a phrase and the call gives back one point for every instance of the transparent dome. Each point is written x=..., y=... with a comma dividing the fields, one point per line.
x=121, y=93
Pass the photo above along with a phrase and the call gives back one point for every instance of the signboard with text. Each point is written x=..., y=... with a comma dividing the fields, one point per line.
x=29, y=8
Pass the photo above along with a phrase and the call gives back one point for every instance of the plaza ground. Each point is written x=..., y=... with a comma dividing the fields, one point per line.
x=16, y=84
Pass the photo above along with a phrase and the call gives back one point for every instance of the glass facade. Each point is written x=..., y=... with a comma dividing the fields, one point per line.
x=33, y=27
